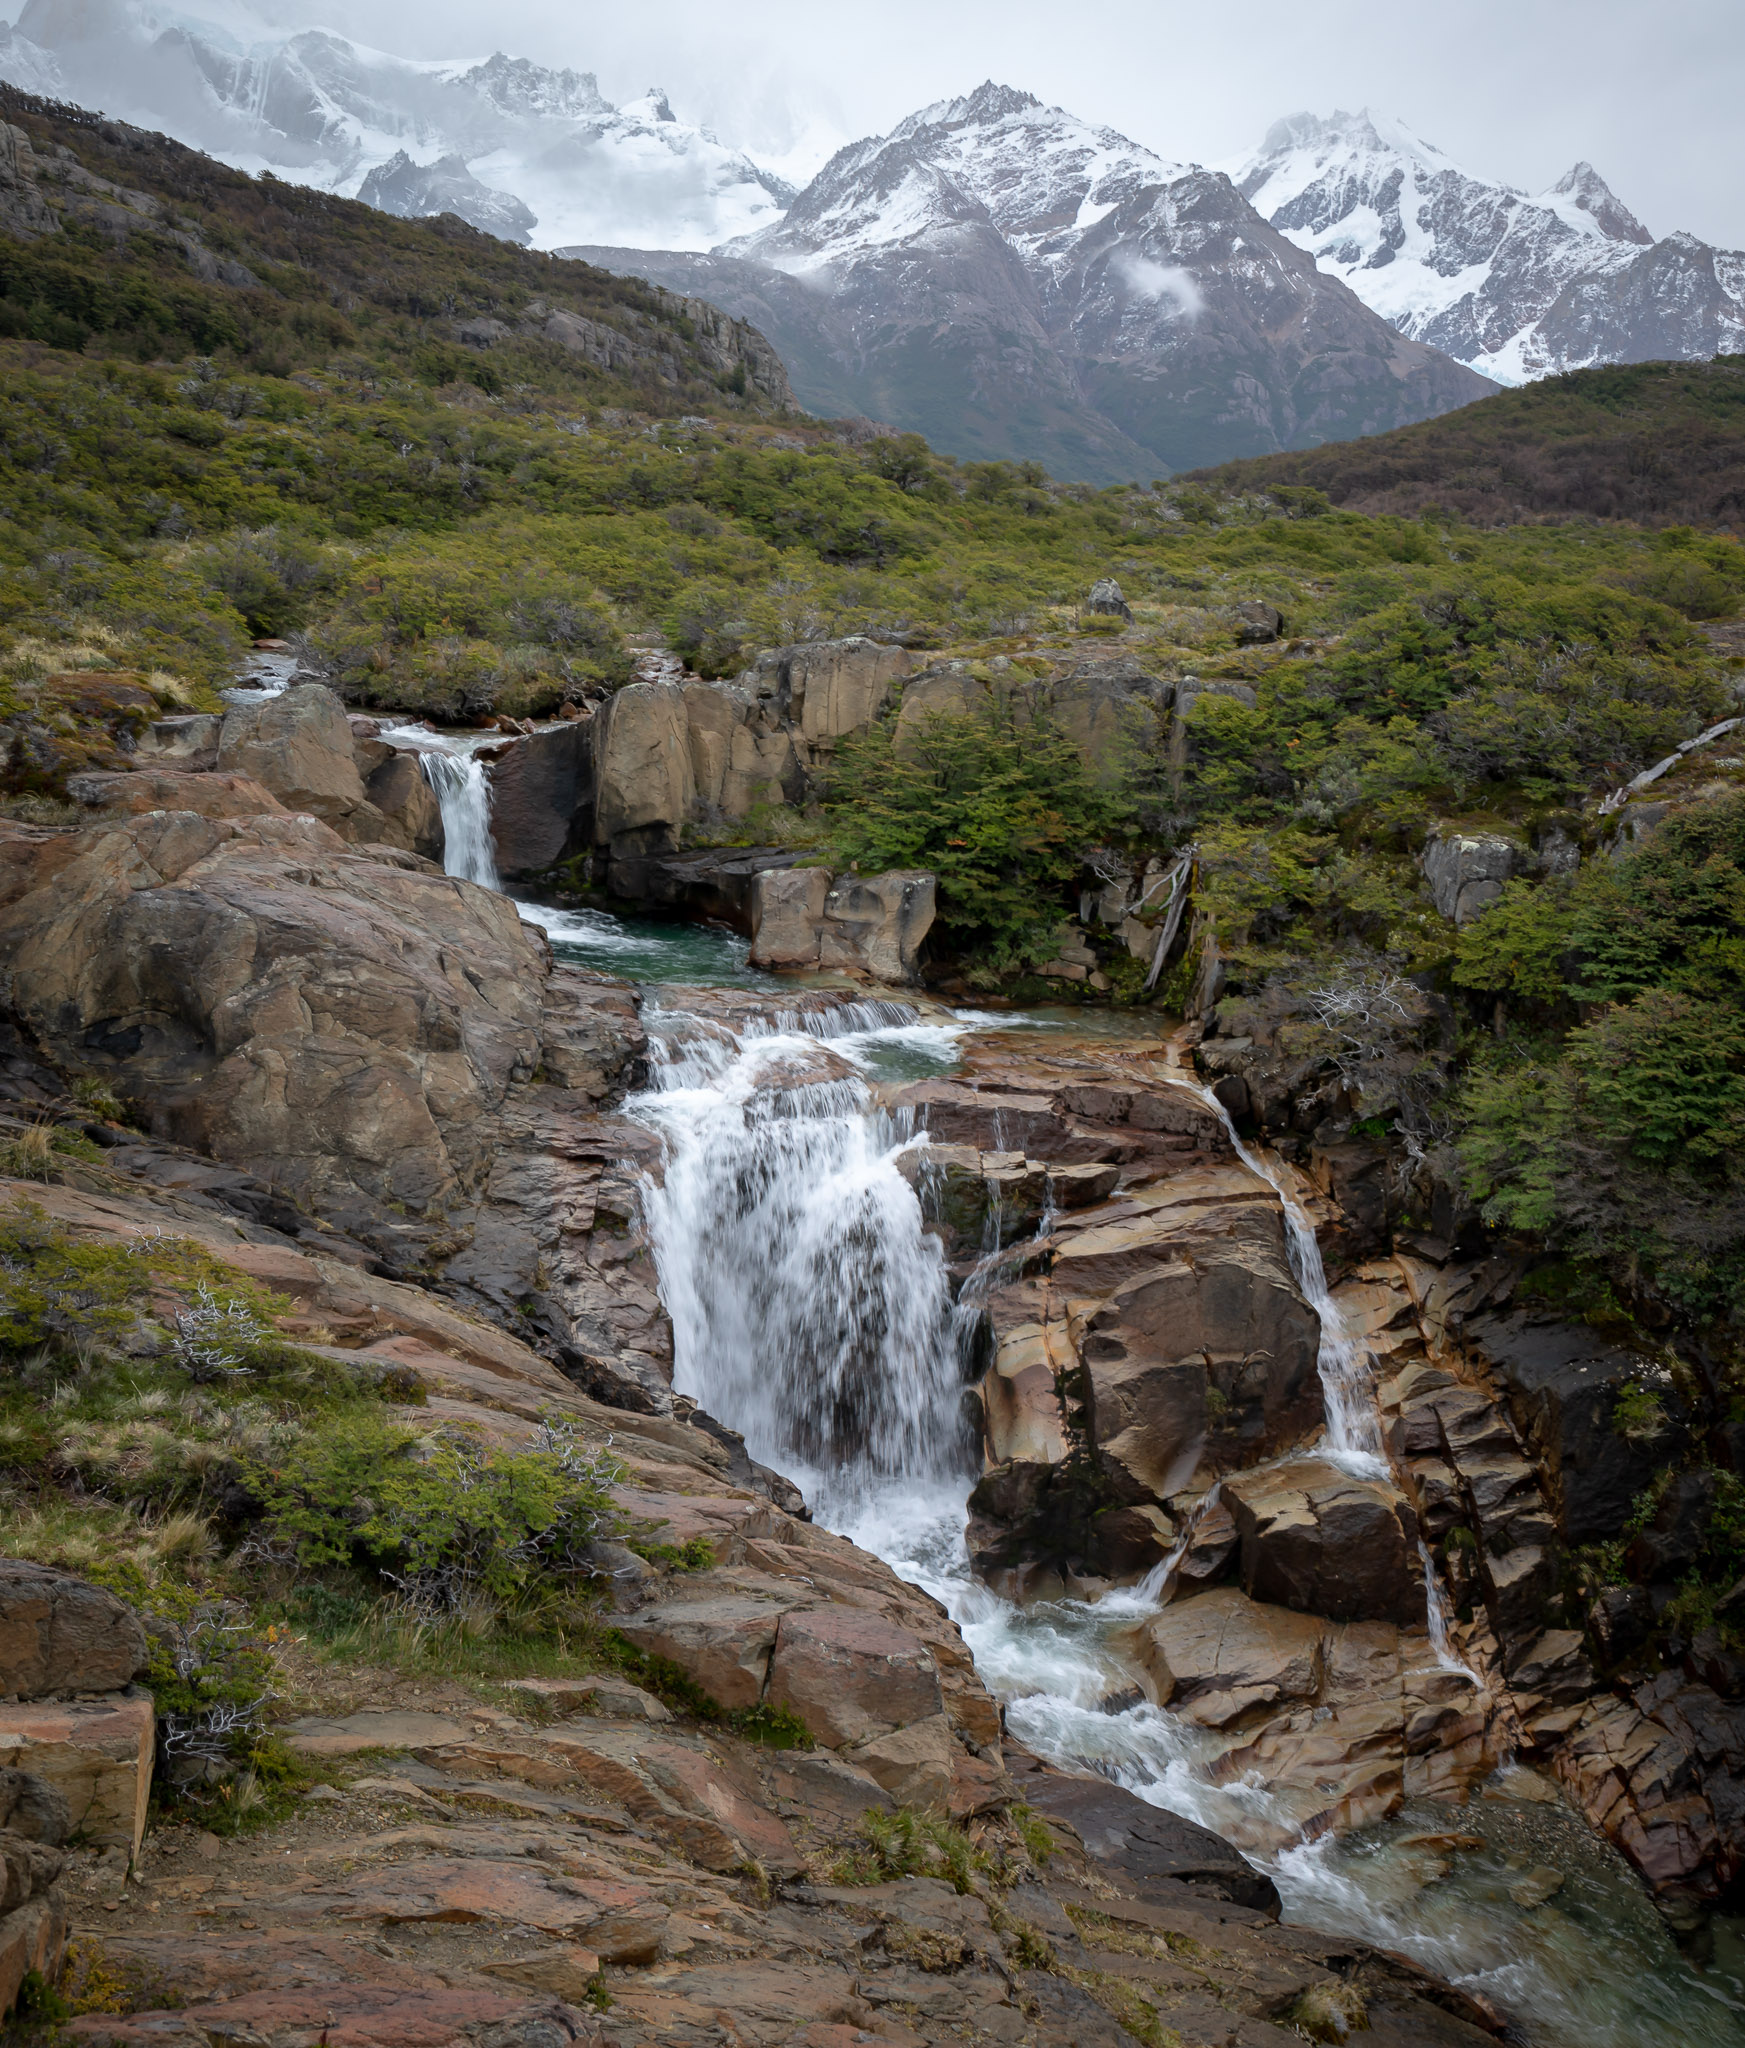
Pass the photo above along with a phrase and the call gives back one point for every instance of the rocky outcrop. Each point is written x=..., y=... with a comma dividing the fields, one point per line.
x=1316, y=1539
x=1466, y=871
x=62, y=1634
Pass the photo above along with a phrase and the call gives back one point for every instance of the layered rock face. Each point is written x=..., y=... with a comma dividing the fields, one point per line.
x=1152, y=1394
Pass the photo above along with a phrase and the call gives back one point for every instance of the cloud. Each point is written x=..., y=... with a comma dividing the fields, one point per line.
x=1146, y=278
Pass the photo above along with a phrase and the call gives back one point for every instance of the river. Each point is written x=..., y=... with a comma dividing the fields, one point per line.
x=813, y=1312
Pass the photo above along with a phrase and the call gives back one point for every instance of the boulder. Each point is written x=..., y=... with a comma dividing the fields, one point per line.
x=59, y=1633
x=1316, y=1539
x=642, y=769
x=538, y=784
x=851, y=1675
x=1257, y=624
x=298, y=745
x=33, y=1937
x=787, y=916
x=875, y=924
x=96, y=1753
x=1466, y=870
x=1106, y=600
x=286, y=1004
x=723, y=1643
x=1221, y=1655
x=408, y=814
x=914, y=1765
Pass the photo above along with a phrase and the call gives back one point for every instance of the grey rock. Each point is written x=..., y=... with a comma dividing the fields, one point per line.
x=1106, y=599
x=59, y=1633
x=1466, y=871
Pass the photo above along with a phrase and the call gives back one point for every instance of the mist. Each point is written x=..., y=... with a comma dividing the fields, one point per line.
x=1516, y=92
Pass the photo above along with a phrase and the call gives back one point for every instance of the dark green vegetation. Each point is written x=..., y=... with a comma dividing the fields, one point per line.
x=1660, y=443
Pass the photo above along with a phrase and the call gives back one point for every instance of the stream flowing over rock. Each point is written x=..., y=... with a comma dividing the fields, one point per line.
x=1024, y=1433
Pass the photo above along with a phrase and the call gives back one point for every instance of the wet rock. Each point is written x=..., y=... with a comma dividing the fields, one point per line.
x=850, y=1675
x=411, y=816
x=1221, y=1655
x=59, y=1633
x=538, y=786
x=1215, y=1337
x=1466, y=871
x=1563, y=1386
x=1143, y=1843
x=1318, y=1540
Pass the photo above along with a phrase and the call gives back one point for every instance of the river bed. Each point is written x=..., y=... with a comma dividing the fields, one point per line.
x=805, y=1291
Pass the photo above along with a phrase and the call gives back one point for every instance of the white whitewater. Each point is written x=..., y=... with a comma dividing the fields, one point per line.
x=464, y=793
x=812, y=1311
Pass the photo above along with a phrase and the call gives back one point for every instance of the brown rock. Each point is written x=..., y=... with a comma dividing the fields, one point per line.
x=411, y=816
x=537, y=787
x=298, y=745
x=1219, y=1655
x=164, y=789
x=33, y=1936
x=850, y=1675
x=59, y=1633
x=914, y=1764
x=1318, y=1540
x=96, y=1753
x=875, y=924
x=787, y=915
x=722, y=1644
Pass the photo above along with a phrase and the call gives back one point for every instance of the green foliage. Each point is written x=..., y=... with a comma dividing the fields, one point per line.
x=774, y=1727
x=695, y=1554
x=997, y=802
x=912, y=1843
x=446, y=1521
x=1638, y=1414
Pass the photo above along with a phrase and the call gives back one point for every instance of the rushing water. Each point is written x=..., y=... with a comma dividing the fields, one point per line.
x=812, y=1311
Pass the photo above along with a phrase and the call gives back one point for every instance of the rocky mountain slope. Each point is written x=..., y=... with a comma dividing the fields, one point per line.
x=1516, y=286
x=1013, y=282
x=319, y=108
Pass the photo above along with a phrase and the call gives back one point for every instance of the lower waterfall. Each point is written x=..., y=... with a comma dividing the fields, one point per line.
x=812, y=1312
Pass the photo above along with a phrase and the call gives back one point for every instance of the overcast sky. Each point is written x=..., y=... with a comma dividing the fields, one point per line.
x=1650, y=91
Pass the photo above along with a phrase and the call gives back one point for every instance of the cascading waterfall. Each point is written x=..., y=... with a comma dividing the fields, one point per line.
x=812, y=1311
x=464, y=793
x=1347, y=1384
x=808, y=1303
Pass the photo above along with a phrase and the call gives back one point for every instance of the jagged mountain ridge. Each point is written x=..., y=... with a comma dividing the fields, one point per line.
x=329, y=112
x=1515, y=286
x=1013, y=281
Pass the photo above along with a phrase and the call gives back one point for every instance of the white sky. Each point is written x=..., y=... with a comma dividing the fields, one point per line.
x=1650, y=91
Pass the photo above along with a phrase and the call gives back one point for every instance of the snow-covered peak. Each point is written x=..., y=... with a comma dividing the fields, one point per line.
x=320, y=108
x=1036, y=174
x=1464, y=262
x=1584, y=188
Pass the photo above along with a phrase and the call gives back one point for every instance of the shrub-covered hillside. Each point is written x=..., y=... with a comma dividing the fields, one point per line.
x=1661, y=443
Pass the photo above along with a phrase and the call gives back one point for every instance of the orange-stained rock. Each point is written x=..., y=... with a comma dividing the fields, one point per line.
x=98, y=1753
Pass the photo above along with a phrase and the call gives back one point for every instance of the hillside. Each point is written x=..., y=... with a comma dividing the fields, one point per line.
x=130, y=245
x=1656, y=443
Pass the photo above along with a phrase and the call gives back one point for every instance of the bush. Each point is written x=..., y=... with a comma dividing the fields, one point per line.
x=998, y=803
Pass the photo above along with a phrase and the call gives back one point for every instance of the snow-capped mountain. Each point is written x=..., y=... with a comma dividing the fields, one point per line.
x=1013, y=281
x=1517, y=286
x=319, y=108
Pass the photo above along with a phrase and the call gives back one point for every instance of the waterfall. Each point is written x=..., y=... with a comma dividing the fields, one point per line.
x=464, y=792
x=809, y=1305
x=1347, y=1385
